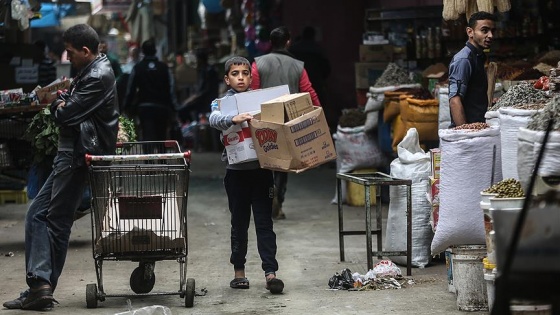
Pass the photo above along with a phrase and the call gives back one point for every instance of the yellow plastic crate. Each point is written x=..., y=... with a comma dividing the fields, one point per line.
x=355, y=193
x=13, y=196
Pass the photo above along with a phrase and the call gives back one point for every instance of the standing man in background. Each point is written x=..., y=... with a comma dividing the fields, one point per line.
x=47, y=67
x=279, y=67
x=318, y=67
x=88, y=119
x=151, y=81
x=468, y=83
x=115, y=64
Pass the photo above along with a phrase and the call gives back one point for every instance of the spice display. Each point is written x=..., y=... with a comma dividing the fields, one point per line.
x=473, y=126
x=528, y=74
x=541, y=83
x=540, y=119
x=522, y=93
x=551, y=57
x=422, y=94
x=554, y=79
x=393, y=75
x=507, y=188
x=352, y=118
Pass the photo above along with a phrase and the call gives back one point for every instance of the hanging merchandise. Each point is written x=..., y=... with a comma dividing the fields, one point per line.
x=449, y=13
x=502, y=5
x=141, y=20
x=471, y=8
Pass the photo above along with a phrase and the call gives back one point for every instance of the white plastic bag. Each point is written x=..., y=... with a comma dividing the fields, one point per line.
x=414, y=164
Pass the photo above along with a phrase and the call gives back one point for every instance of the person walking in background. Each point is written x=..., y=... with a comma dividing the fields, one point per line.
x=204, y=91
x=468, y=83
x=151, y=83
x=248, y=187
x=279, y=67
x=47, y=67
x=88, y=119
x=318, y=67
x=115, y=64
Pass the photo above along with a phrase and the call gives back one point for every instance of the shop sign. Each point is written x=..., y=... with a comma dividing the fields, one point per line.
x=26, y=75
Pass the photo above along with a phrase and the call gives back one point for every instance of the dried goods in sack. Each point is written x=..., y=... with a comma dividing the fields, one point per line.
x=466, y=170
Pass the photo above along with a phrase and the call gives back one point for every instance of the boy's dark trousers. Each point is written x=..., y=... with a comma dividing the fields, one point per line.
x=254, y=189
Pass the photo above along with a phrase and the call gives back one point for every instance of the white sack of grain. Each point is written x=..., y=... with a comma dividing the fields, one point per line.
x=511, y=119
x=466, y=170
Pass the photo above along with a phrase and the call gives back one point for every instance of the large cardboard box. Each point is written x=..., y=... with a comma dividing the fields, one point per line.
x=237, y=139
x=294, y=146
x=250, y=101
x=48, y=94
x=368, y=72
x=376, y=53
x=287, y=107
x=239, y=144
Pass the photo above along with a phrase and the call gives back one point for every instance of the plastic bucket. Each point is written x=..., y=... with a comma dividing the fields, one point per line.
x=530, y=309
x=449, y=266
x=490, y=278
x=468, y=277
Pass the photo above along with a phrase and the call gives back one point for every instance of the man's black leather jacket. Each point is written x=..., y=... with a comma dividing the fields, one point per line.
x=91, y=109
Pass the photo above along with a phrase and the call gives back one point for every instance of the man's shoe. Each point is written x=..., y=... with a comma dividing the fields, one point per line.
x=16, y=304
x=280, y=215
x=39, y=298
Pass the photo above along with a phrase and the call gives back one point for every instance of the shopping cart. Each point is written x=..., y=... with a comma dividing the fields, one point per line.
x=139, y=203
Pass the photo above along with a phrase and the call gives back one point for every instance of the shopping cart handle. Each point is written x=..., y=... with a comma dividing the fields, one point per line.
x=187, y=155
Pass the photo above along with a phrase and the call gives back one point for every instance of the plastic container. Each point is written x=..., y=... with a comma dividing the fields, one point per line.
x=506, y=203
x=449, y=266
x=489, y=278
x=530, y=309
x=468, y=277
x=356, y=194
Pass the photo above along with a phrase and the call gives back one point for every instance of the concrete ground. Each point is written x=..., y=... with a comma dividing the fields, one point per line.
x=308, y=255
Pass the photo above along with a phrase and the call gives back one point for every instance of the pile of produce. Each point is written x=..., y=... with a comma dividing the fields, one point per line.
x=392, y=76
x=473, y=126
x=540, y=119
x=507, y=188
x=520, y=94
x=351, y=118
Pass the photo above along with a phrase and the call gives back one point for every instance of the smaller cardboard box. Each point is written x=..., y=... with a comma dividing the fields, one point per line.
x=373, y=53
x=287, y=107
x=435, y=156
x=239, y=144
x=250, y=101
x=433, y=191
x=48, y=94
x=294, y=146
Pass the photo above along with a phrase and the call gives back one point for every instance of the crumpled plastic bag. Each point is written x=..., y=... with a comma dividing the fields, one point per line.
x=386, y=268
x=342, y=280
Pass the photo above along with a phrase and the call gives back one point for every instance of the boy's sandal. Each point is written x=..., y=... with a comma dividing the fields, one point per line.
x=275, y=285
x=239, y=283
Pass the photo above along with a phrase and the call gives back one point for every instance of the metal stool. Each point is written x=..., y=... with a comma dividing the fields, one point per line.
x=376, y=179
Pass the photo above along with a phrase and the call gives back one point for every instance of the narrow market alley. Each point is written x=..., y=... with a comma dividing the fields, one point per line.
x=308, y=255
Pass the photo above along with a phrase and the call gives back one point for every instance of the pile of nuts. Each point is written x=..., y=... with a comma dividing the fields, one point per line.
x=472, y=126
x=507, y=188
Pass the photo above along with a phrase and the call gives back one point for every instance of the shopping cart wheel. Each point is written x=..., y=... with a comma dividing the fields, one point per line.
x=91, y=295
x=189, y=293
x=142, y=280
